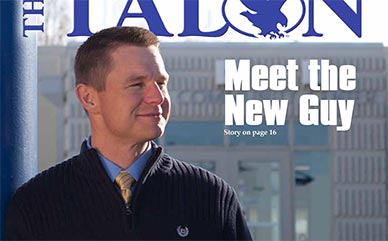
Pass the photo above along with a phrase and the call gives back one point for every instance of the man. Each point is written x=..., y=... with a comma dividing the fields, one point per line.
x=122, y=185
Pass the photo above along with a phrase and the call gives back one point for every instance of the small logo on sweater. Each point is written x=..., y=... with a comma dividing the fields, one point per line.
x=182, y=231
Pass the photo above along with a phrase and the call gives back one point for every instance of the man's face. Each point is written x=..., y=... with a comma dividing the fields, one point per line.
x=135, y=105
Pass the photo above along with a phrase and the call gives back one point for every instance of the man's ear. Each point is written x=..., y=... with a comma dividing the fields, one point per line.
x=87, y=96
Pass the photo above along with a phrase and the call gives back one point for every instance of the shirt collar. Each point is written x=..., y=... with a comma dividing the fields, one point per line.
x=113, y=170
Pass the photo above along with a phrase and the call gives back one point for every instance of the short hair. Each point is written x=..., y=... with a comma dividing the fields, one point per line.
x=93, y=59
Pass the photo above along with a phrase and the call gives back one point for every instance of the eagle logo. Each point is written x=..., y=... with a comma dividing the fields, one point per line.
x=264, y=18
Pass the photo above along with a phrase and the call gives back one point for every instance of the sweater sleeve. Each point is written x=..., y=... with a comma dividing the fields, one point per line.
x=242, y=231
x=15, y=226
x=236, y=227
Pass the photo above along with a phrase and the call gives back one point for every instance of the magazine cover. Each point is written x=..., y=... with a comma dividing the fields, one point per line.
x=285, y=100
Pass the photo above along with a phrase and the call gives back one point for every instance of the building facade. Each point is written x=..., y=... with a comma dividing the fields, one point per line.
x=297, y=183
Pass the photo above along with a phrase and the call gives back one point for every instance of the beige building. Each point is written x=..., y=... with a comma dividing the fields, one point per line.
x=302, y=183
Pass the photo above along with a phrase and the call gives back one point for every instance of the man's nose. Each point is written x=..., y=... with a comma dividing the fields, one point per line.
x=154, y=95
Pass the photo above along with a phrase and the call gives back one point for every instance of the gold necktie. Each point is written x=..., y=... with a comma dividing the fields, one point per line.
x=124, y=180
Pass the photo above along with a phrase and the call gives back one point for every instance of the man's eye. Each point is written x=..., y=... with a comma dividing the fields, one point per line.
x=136, y=85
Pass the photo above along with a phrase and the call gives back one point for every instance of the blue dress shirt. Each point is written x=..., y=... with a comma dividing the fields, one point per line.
x=135, y=169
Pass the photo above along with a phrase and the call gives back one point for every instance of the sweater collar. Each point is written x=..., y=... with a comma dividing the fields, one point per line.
x=135, y=169
x=91, y=166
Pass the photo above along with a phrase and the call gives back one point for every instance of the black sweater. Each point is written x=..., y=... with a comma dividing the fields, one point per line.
x=77, y=200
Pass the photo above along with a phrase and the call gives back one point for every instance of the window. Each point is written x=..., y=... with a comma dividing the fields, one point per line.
x=258, y=191
x=311, y=135
x=196, y=133
x=312, y=195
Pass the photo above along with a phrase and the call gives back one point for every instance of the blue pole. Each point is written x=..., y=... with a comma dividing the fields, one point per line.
x=18, y=103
